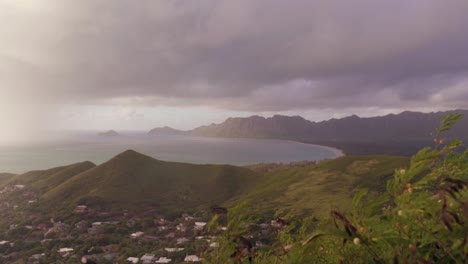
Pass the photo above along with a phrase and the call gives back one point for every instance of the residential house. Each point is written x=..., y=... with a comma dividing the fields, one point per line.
x=137, y=234
x=182, y=240
x=97, y=224
x=147, y=258
x=36, y=258
x=199, y=225
x=174, y=249
x=181, y=227
x=214, y=245
x=81, y=209
x=133, y=260
x=163, y=260
x=188, y=217
x=65, y=252
x=192, y=258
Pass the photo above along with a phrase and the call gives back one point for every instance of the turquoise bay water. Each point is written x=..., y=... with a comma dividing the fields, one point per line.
x=199, y=150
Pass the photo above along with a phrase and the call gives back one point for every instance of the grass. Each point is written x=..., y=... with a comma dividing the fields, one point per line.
x=44, y=180
x=5, y=177
x=134, y=180
x=318, y=188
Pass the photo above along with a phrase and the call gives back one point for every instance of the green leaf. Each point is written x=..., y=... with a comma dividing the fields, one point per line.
x=358, y=197
x=313, y=237
x=449, y=120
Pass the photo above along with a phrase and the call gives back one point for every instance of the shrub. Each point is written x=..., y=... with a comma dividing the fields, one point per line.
x=419, y=219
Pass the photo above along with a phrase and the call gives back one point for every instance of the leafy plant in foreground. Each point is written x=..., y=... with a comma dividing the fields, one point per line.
x=421, y=218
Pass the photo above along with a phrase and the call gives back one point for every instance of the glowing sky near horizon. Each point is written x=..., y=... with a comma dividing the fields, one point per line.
x=135, y=65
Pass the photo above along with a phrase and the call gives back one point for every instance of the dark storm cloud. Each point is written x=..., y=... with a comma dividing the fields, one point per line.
x=248, y=55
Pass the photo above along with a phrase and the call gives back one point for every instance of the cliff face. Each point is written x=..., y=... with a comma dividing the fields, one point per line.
x=404, y=126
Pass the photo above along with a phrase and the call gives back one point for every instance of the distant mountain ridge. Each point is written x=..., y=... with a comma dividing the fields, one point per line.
x=353, y=130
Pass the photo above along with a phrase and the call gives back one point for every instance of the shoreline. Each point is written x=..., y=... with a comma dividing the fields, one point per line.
x=338, y=152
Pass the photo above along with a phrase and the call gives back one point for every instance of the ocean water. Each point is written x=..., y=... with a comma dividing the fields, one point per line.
x=200, y=150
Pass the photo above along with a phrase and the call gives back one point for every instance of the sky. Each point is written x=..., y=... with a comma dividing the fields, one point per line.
x=136, y=65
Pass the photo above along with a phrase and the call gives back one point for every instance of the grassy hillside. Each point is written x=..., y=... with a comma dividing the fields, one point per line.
x=55, y=179
x=134, y=180
x=318, y=188
x=44, y=180
x=4, y=177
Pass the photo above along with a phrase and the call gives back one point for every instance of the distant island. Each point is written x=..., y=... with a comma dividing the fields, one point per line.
x=400, y=134
x=110, y=133
x=166, y=131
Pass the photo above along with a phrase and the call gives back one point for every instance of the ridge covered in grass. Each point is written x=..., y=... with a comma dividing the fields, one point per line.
x=317, y=188
x=4, y=177
x=44, y=180
x=134, y=180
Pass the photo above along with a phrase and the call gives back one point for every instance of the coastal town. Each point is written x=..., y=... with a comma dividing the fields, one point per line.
x=87, y=234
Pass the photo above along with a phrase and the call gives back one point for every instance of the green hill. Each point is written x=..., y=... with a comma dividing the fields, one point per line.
x=44, y=180
x=133, y=180
x=318, y=188
x=4, y=177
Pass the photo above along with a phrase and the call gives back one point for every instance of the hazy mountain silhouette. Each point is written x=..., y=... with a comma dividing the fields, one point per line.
x=391, y=134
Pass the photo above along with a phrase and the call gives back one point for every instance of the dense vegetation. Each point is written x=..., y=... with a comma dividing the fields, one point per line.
x=420, y=218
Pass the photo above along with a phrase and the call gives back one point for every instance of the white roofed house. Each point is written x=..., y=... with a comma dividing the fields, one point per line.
x=65, y=252
x=173, y=249
x=137, y=234
x=133, y=260
x=192, y=258
x=147, y=258
x=199, y=225
x=163, y=260
x=81, y=209
x=182, y=240
x=214, y=245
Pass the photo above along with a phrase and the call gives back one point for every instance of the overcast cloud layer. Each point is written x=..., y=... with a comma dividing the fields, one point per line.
x=102, y=64
x=263, y=55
